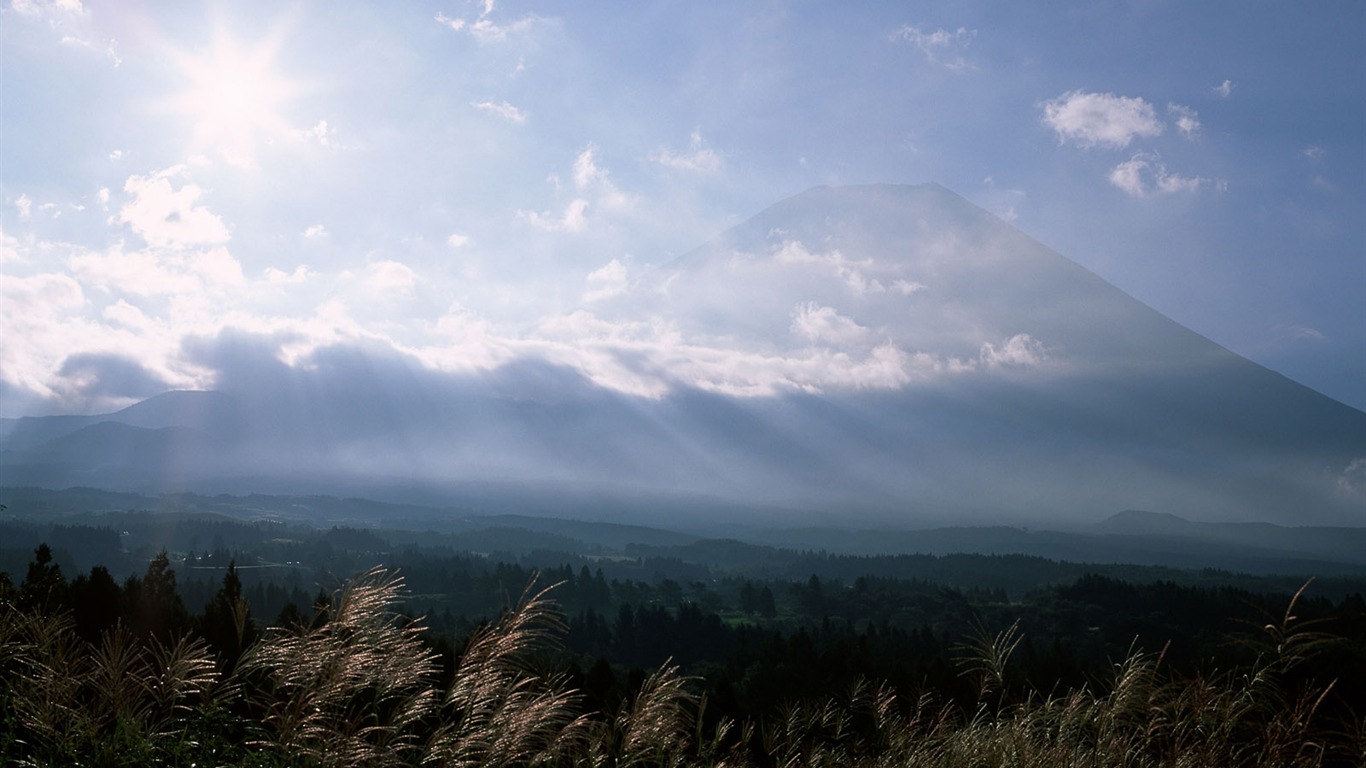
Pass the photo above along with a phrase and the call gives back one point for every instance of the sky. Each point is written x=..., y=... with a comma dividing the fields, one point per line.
x=460, y=182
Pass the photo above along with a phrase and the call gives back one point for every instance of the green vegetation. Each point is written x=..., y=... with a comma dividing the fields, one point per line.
x=732, y=670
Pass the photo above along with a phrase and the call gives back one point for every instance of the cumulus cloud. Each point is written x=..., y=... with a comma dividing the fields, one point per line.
x=573, y=219
x=40, y=315
x=851, y=271
x=153, y=272
x=127, y=315
x=1313, y=152
x=276, y=275
x=315, y=232
x=1019, y=350
x=592, y=186
x=697, y=158
x=940, y=47
x=1187, y=121
x=457, y=240
x=1101, y=119
x=606, y=281
x=586, y=169
x=24, y=206
x=1224, y=89
x=166, y=216
x=652, y=359
x=389, y=276
x=501, y=109
x=825, y=325
x=1145, y=175
x=107, y=375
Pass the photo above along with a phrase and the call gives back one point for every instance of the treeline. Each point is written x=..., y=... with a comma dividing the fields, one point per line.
x=736, y=671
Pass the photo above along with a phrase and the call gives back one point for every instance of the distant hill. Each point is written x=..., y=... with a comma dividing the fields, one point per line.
x=1137, y=521
x=1293, y=552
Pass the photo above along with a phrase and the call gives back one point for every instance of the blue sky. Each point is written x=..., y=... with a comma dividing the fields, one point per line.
x=452, y=179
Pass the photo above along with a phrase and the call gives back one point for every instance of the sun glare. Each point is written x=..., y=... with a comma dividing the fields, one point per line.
x=233, y=98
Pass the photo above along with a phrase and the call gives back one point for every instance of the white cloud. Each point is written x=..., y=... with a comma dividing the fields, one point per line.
x=127, y=315
x=1187, y=121
x=299, y=275
x=851, y=272
x=455, y=24
x=1224, y=89
x=25, y=206
x=484, y=29
x=52, y=11
x=151, y=272
x=165, y=216
x=606, y=281
x=574, y=218
x=37, y=313
x=389, y=276
x=1101, y=119
x=820, y=324
x=1145, y=175
x=217, y=266
x=940, y=46
x=650, y=359
x=1292, y=332
x=586, y=170
x=315, y=232
x=116, y=154
x=44, y=7
x=457, y=240
x=321, y=133
x=9, y=249
x=907, y=287
x=1019, y=350
x=594, y=188
x=501, y=109
x=696, y=159
x=1352, y=481
x=1314, y=152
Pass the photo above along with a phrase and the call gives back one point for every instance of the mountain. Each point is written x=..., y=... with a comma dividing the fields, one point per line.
x=858, y=355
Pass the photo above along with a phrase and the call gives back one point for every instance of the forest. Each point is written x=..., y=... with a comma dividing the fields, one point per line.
x=247, y=644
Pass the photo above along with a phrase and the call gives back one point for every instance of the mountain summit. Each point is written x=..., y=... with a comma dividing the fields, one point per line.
x=857, y=354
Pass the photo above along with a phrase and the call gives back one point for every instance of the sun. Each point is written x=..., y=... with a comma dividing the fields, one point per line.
x=233, y=98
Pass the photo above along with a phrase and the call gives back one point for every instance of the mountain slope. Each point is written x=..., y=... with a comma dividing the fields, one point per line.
x=864, y=354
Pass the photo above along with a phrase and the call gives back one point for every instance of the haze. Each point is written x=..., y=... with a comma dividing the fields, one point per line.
x=455, y=242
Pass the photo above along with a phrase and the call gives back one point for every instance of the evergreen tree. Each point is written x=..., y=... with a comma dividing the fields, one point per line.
x=154, y=607
x=95, y=603
x=227, y=624
x=44, y=587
